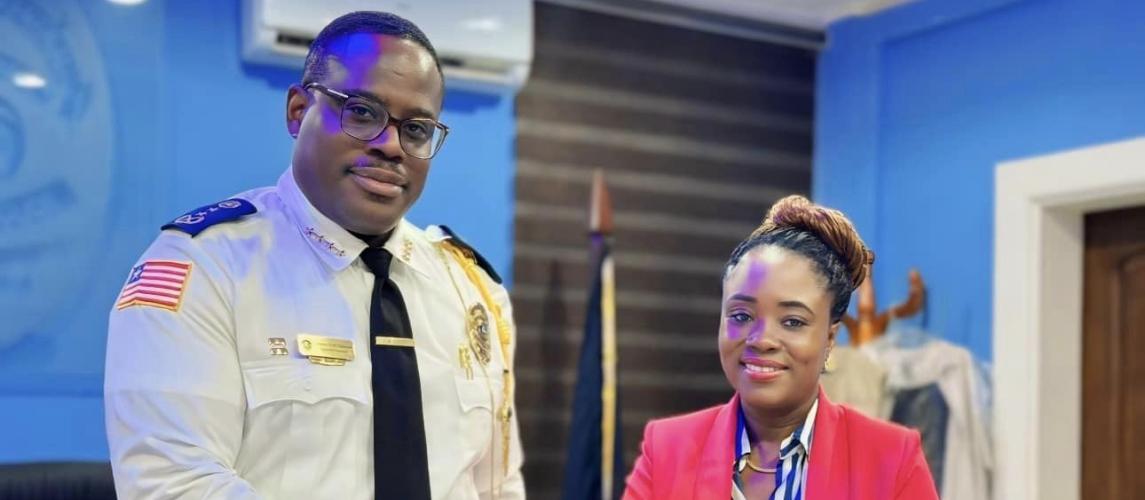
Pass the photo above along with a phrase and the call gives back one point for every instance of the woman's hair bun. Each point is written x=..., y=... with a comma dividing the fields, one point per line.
x=829, y=225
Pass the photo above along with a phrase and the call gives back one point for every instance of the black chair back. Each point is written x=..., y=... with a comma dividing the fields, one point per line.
x=57, y=481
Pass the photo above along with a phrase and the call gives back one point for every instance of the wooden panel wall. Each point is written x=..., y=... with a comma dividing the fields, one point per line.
x=697, y=135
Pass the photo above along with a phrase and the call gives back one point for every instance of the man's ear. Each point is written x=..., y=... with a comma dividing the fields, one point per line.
x=297, y=101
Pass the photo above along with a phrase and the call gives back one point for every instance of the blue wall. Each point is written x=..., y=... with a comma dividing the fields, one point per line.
x=916, y=106
x=148, y=111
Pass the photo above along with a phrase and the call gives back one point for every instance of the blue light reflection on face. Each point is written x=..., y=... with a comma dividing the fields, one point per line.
x=757, y=272
x=764, y=285
x=402, y=77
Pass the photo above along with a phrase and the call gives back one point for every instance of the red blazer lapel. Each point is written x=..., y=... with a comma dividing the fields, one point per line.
x=827, y=475
x=714, y=468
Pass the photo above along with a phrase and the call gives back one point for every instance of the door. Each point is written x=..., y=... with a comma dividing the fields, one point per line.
x=1113, y=383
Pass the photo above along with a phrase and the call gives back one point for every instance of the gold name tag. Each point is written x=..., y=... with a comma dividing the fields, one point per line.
x=319, y=360
x=326, y=350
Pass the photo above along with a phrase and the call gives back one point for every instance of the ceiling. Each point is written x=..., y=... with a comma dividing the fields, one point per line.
x=806, y=14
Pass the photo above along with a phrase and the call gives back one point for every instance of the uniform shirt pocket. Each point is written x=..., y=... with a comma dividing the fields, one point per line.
x=272, y=380
x=476, y=394
x=478, y=400
x=315, y=418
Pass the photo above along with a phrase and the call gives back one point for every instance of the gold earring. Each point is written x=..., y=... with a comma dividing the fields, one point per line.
x=827, y=366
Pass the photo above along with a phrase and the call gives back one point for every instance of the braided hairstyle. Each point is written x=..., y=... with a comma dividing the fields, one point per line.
x=821, y=234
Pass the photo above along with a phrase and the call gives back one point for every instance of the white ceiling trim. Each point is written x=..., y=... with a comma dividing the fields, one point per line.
x=699, y=17
x=799, y=23
x=805, y=14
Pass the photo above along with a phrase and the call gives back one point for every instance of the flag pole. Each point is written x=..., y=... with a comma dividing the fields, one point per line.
x=600, y=229
x=594, y=461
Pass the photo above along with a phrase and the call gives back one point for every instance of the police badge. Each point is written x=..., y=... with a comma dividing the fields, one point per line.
x=477, y=325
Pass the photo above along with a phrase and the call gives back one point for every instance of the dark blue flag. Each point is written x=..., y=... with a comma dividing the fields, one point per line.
x=594, y=469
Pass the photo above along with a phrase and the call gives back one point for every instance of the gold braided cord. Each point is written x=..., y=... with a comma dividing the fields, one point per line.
x=469, y=265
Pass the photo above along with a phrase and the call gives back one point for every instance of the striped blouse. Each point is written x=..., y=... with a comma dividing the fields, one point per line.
x=794, y=453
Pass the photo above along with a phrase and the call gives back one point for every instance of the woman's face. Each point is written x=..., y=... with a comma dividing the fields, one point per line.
x=775, y=329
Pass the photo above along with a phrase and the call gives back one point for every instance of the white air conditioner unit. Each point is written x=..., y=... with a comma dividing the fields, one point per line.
x=484, y=45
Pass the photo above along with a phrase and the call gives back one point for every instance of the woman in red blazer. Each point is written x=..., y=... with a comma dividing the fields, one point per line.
x=785, y=290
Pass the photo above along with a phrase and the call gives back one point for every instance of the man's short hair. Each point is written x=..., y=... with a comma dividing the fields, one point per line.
x=371, y=22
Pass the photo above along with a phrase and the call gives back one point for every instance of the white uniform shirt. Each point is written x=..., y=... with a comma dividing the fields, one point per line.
x=199, y=405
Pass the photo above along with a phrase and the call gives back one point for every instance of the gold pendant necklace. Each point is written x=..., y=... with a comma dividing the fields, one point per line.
x=758, y=468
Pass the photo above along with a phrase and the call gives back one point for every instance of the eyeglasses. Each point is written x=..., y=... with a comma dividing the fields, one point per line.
x=365, y=119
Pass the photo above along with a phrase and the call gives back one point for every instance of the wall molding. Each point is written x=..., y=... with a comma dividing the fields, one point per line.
x=1039, y=210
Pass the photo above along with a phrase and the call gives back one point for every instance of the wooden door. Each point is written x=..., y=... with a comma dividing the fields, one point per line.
x=1113, y=384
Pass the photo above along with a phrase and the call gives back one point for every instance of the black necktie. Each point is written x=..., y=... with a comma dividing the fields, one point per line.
x=401, y=468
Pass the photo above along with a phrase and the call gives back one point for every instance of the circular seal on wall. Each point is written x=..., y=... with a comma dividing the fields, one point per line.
x=55, y=161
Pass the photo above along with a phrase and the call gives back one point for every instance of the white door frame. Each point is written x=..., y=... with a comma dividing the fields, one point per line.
x=1039, y=208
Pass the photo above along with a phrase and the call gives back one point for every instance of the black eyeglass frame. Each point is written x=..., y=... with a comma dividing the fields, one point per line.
x=387, y=118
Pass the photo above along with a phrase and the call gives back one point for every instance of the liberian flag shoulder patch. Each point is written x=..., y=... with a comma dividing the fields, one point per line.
x=155, y=283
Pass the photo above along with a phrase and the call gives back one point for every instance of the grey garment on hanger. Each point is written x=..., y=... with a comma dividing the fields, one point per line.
x=925, y=409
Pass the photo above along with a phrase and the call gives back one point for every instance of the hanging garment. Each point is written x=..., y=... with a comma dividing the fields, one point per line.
x=855, y=379
x=938, y=388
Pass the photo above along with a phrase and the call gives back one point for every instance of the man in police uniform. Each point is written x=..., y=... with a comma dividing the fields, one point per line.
x=305, y=340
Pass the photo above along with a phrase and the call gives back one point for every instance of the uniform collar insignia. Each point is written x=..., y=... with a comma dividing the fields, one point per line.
x=335, y=245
